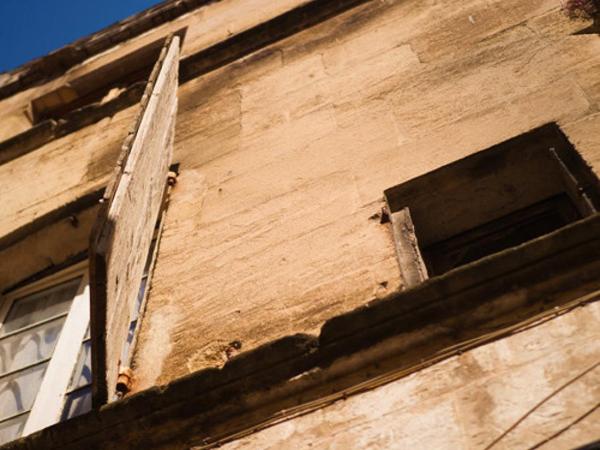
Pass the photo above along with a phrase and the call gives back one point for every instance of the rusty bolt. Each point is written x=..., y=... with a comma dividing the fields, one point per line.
x=172, y=178
x=124, y=381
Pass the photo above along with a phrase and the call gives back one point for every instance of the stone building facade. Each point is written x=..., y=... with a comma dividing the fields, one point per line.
x=305, y=224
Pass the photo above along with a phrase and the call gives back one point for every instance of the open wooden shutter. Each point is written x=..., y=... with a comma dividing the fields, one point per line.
x=123, y=232
x=411, y=263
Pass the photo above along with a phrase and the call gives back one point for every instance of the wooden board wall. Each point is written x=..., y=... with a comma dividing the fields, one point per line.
x=123, y=232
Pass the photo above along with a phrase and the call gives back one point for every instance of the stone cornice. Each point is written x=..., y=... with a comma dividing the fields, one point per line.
x=56, y=63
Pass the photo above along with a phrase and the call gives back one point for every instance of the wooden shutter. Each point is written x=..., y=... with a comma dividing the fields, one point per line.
x=573, y=187
x=123, y=232
x=411, y=263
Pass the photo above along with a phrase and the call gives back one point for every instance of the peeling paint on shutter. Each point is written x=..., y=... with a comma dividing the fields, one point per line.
x=123, y=232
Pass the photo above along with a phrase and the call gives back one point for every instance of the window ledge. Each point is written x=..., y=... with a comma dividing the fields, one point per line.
x=49, y=130
x=471, y=305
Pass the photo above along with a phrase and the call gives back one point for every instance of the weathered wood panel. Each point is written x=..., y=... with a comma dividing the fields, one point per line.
x=409, y=256
x=123, y=233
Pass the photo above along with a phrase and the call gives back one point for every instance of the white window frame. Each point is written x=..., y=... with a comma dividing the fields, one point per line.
x=49, y=401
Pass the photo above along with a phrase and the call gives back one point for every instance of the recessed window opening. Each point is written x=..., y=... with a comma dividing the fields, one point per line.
x=508, y=231
x=116, y=76
x=38, y=325
x=496, y=199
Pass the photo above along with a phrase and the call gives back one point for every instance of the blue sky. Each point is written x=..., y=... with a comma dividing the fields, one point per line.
x=32, y=28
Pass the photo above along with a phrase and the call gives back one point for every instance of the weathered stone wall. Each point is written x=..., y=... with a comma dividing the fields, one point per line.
x=61, y=171
x=532, y=384
x=42, y=180
x=285, y=155
x=206, y=26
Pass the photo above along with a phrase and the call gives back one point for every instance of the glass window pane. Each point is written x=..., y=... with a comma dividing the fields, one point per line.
x=82, y=375
x=77, y=403
x=17, y=391
x=39, y=306
x=28, y=347
x=127, y=344
x=138, y=301
x=12, y=429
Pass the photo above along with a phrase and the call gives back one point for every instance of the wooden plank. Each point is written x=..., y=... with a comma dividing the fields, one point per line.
x=411, y=263
x=573, y=188
x=123, y=232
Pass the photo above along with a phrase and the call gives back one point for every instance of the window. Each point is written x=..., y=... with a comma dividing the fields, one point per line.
x=78, y=397
x=45, y=350
x=46, y=337
x=42, y=326
x=498, y=198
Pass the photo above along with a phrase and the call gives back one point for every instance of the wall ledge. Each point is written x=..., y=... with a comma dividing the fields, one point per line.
x=483, y=301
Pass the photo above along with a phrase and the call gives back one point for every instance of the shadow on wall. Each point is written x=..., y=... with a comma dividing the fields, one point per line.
x=584, y=9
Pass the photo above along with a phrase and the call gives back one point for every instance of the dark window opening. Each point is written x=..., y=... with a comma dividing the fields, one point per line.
x=508, y=231
x=496, y=199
